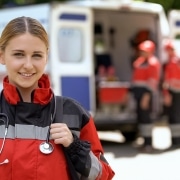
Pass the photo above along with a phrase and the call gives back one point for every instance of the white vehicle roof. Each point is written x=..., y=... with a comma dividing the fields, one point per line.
x=127, y=5
x=114, y=4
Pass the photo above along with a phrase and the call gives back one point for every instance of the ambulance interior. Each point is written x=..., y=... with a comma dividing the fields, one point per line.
x=115, y=37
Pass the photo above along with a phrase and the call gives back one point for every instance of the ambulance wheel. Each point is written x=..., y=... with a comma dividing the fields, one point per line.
x=129, y=136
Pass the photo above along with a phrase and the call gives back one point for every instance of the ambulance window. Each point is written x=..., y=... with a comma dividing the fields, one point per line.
x=70, y=45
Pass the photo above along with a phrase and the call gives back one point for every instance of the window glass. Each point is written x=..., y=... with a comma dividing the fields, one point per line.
x=70, y=45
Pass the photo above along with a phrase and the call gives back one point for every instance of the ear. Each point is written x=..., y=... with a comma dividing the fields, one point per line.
x=2, y=61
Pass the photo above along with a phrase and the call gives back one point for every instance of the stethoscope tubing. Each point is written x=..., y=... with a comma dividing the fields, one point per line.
x=45, y=147
x=6, y=123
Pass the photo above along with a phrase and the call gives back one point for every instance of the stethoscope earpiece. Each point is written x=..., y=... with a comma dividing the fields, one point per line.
x=5, y=162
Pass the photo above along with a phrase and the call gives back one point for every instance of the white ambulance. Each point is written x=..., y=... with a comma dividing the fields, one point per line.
x=174, y=23
x=85, y=37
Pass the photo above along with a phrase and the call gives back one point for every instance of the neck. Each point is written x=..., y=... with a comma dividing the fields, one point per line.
x=25, y=94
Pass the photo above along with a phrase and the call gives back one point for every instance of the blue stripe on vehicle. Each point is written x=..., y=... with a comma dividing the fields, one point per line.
x=77, y=88
x=177, y=23
x=68, y=16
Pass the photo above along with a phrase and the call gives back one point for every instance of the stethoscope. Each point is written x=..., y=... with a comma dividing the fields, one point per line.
x=6, y=123
x=45, y=147
x=4, y=118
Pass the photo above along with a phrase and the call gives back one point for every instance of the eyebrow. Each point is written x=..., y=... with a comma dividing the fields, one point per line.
x=40, y=52
x=18, y=50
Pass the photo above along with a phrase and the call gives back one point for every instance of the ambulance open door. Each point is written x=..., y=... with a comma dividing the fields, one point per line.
x=71, y=54
x=174, y=23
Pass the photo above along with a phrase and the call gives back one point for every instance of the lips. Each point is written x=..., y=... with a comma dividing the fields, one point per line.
x=27, y=74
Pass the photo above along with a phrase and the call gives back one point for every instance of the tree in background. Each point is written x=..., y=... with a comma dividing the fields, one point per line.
x=167, y=4
x=12, y=3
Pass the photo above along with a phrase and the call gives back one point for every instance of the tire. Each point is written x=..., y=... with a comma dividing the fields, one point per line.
x=130, y=136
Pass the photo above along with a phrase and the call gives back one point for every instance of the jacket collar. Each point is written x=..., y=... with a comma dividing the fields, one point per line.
x=41, y=95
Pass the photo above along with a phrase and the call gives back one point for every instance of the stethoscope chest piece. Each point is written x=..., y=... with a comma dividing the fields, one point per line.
x=46, y=147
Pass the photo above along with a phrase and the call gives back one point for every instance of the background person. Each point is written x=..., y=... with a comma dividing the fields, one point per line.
x=27, y=100
x=145, y=80
x=171, y=92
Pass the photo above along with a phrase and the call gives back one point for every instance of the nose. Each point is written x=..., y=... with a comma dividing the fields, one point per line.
x=28, y=63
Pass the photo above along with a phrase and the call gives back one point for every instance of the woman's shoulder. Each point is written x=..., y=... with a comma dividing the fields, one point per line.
x=73, y=106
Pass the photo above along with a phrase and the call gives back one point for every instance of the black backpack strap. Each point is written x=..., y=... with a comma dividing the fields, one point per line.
x=58, y=118
x=59, y=109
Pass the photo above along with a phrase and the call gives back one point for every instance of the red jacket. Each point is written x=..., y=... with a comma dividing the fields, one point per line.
x=28, y=125
x=172, y=75
x=146, y=72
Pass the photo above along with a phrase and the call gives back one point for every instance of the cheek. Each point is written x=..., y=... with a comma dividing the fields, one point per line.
x=41, y=65
x=12, y=65
x=10, y=68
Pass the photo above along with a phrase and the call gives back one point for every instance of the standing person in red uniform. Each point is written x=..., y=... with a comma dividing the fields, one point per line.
x=171, y=92
x=145, y=80
x=42, y=136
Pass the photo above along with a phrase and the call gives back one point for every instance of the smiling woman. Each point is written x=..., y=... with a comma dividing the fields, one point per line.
x=35, y=142
x=25, y=62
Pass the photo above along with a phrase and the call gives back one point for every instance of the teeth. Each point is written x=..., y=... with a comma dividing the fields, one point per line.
x=27, y=75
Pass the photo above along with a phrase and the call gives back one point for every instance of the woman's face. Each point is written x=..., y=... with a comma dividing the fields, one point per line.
x=25, y=58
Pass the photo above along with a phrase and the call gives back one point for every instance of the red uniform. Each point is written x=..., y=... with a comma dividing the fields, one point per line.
x=146, y=73
x=145, y=81
x=20, y=157
x=172, y=75
x=171, y=92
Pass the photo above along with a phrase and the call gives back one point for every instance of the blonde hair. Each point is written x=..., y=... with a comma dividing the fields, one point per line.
x=21, y=25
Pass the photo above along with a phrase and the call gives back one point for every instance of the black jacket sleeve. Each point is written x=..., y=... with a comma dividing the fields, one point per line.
x=78, y=152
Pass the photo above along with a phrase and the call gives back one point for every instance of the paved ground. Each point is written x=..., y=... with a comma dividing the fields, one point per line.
x=134, y=166
x=129, y=164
